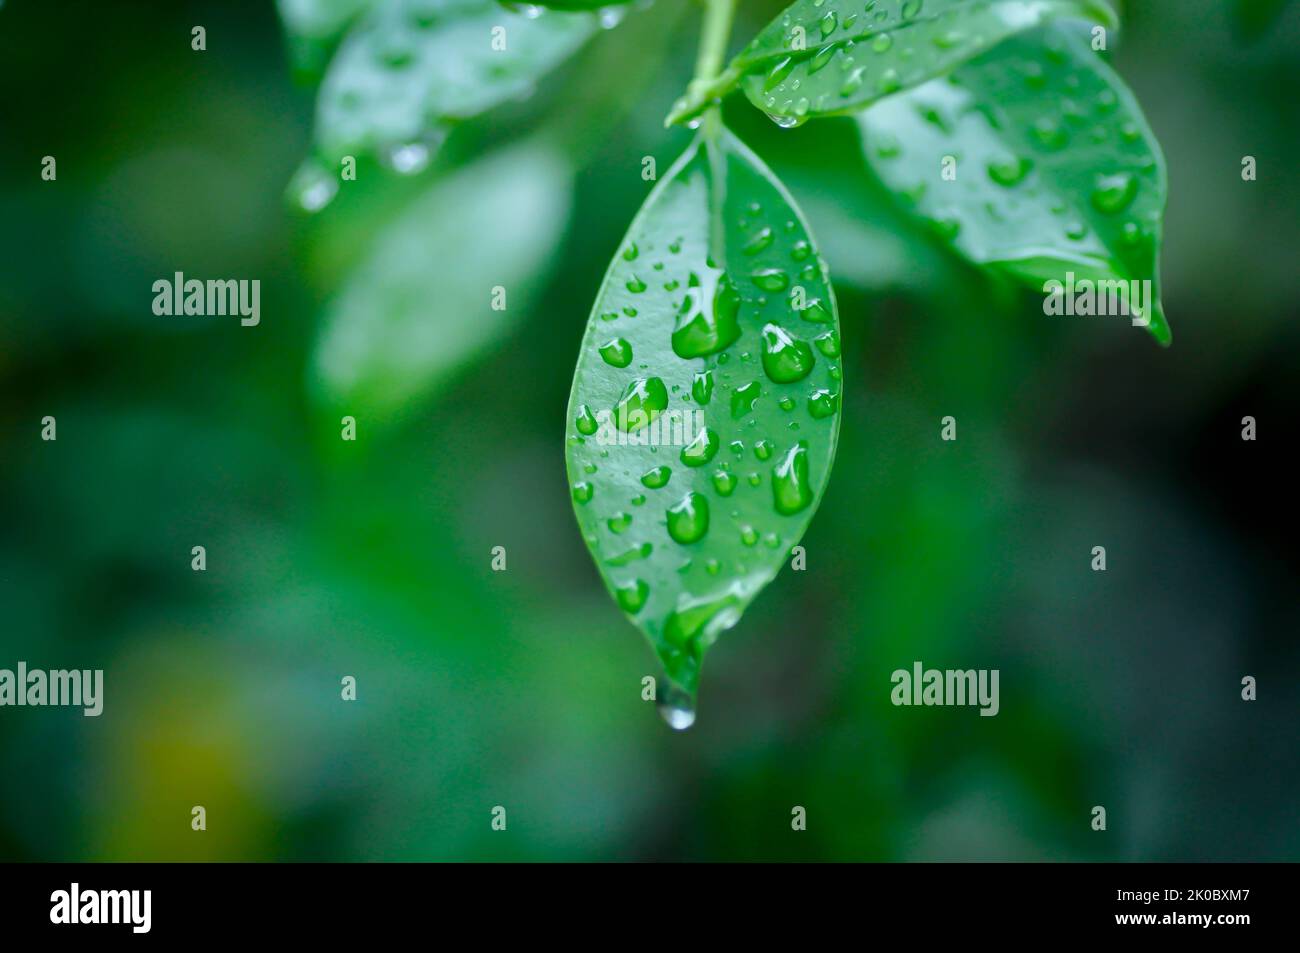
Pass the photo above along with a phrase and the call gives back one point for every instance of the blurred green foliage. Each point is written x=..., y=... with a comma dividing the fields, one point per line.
x=523, y=688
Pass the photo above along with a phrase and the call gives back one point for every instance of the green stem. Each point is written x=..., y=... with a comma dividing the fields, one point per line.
x=710, y=81
x=713, y=39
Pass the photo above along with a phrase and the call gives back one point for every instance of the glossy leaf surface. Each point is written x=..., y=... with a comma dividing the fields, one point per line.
x=704, y=412
x=1054, y=170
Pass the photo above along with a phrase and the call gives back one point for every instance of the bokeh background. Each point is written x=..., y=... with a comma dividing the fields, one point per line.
x=523, y=688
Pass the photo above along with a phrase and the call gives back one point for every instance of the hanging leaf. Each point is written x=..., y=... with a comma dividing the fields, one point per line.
x=825, y=57
x=1054, y=169
x=423, y=304
x=411, y=66
x=704, y=411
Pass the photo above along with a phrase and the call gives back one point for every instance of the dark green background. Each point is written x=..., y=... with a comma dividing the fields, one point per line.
x=523, y=688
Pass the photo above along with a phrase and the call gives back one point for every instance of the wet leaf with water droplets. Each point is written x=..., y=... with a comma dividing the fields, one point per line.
x=408, y=67
x=1025, y=199
x=825, y=57
x=718, y=334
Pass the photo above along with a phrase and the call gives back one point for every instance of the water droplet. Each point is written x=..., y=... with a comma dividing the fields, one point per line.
x=786, y=403
x=771, y=279
x=619, y=522
x=407, y=158
x=742, y=399
x=822, y=404
x=313, y=187
x=656, y=477
x=889, y=81
x=630, y=252
x=1009, y=171
x=853, y=82
x=676, y=708
x=628, y=556
x=911, y=9
x=586, y=421
x=724, y=482
x=631, y=597
x=821, y=58
x=643, y=400
x=611, y=17
x=881, y=42
x=707, y=321
x=635, y=285
x=828, y=343
x=1114, y=193
x=786, y=359
x=702, y=449
x=791, y=491
x=828, y=23
x=1076, y=230
x=946, y=228
x=582, y=492
x=763, y=449
x=688, y=519
x=1049, y=133
x=948, y=39
x=616, y=352
x=760, y=240
x=776, y=76
x=800, y=250
x=702, y=387
x=787, y=122
x=748, y=535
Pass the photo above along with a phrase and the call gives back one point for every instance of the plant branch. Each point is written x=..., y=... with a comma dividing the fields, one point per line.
x=710, y=80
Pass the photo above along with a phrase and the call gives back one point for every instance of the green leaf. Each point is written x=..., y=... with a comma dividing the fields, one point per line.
x=823, y=57
x=704, y=412
x=420, y=306
x=1057, y=170
x=411, y=67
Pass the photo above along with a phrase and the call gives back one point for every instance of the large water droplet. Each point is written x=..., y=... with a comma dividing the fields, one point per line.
x=616, y=352
x=743, y=397
x=791, y=491
x=631, y=597
x=771, y=279
x=702, y=387
x=656, y=477
x=688, y=519
x=822, y=403
x=702, y=449
x=707, y=321
x=643, y=400
x=786, y=359
x=586, y=422
x=582, y=492
x=1114, y=193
